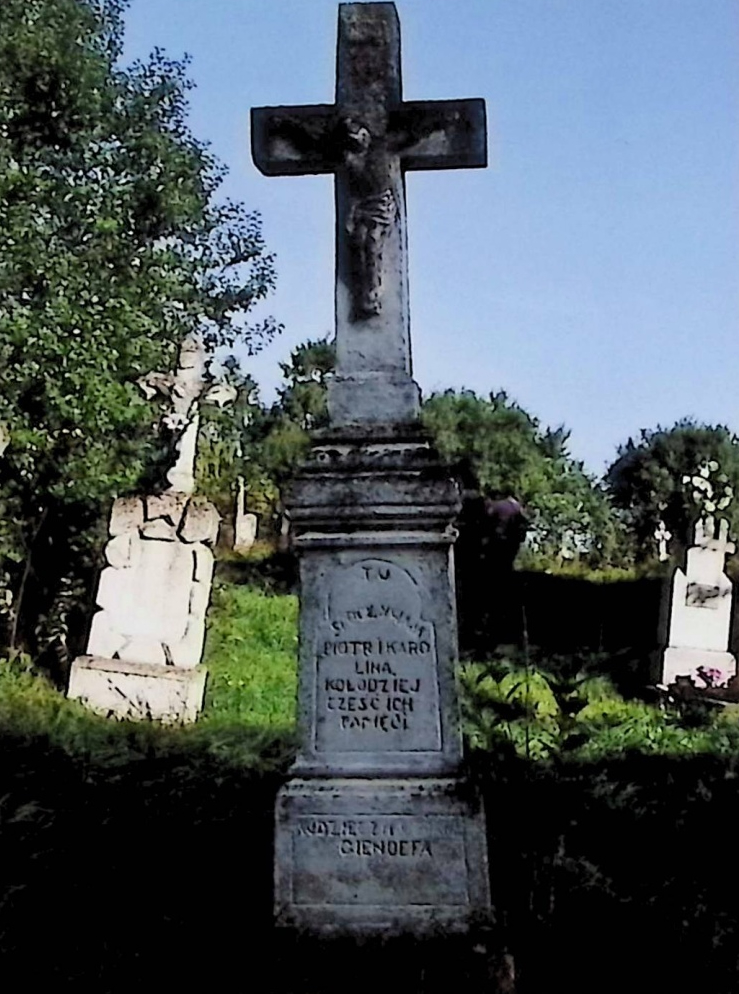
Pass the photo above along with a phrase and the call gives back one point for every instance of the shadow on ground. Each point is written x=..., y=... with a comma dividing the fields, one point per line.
x=158, y=870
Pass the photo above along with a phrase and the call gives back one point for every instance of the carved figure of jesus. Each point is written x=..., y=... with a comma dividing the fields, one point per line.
x=373, y=209
x=369, y=139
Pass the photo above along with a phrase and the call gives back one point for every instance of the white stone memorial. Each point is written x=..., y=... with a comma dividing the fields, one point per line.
x=662, y=537
x=700, y=611
x=146, y=639
x=245, y=522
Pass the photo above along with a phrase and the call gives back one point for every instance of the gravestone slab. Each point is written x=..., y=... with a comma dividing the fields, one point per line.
x=374, y=696
x=245, y=522
x=153, y=597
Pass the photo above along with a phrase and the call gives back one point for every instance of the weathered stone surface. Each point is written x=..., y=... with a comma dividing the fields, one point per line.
x=138, y=691
x=394, y=855
x=245, y=531
x=201, y=522
x=150, y=598
x=368, y=139
x=700, y=613
x=245, y=523
x=352, y=400
x=153, y=599
x=680, y=661
x=119, y=551
x=377, y=625
x=127, y=514
x=170, y=506
x=371, y=514
x=159, y=529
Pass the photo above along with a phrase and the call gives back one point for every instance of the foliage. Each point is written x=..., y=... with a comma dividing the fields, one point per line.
x=303, y=398
x=559, y=707
x=112, y=248
x=300, y=407
x=656, y=477
x=563, y=708
x=614, y=836
x=502, y=451
x=250, y=654
x=227, y=456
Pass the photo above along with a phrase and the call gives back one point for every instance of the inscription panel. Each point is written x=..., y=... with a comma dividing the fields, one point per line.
x=379, y=860
x=376, y=667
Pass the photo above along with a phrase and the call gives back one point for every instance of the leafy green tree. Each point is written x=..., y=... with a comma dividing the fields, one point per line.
x=112, y=249
x=303, y=398
x=300, y=407
x=656, y=477
x=501, y=451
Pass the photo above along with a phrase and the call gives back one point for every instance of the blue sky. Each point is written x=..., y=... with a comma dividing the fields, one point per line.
x=592, y=270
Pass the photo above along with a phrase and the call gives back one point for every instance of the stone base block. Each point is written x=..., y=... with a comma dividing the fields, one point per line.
x=379, y=856
x=373, y=400
x=685, y=662
x=137, y=690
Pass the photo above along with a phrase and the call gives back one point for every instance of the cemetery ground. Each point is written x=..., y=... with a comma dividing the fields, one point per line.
x=134, y=852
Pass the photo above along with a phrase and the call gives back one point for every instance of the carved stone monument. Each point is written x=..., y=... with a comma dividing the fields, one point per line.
x=700, y=613
x=376, y=831
x=146, y=641
x=245, y=522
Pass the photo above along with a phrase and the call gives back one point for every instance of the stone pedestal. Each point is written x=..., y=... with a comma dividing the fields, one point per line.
x=372, y=515
x=138, y=691
x=386, y=856
x=146, y=641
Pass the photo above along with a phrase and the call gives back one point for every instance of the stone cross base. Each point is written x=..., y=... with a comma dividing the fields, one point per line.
x=140, y=691
x=379, y=856
x=377, y=832
x=373, y=399
x=683, y=661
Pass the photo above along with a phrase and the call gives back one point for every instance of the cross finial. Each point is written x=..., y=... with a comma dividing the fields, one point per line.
x=368, y=139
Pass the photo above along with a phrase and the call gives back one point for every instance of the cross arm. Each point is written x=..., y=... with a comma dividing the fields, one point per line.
x=441, y=134
x=292, y=141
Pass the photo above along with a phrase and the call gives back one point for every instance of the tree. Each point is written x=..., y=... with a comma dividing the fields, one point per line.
x=499, y=451
x=301, y=406
x=303, y=398
x=672, y=475
x=112, y=249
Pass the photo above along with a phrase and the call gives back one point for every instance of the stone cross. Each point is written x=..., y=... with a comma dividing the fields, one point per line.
x=662, y=537
x=368, y=139
x=186, y=388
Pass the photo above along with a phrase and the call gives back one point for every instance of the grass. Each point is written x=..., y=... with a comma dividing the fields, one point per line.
x=541, y=714
x=605, y=822
x=250, y=654
x=248, y=718
x=249, y=711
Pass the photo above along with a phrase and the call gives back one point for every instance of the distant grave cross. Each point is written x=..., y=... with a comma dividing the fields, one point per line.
x=368, y=139
x=663, y=536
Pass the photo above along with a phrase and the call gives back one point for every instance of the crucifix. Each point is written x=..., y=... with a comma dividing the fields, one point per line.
x=368, y=139
x=663, y=537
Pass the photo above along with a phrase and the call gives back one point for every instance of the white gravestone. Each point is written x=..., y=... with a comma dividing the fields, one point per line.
x=700, y=613
x=245, y=522
x=662, y=537
x=146, y=641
